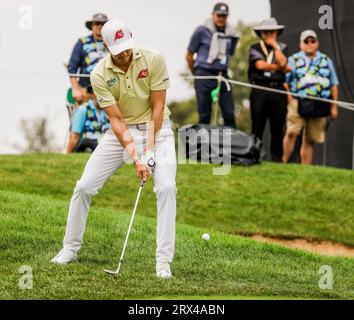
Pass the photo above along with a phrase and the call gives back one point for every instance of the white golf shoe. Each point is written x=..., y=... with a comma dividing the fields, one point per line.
x=64, y=257
x=163, y=270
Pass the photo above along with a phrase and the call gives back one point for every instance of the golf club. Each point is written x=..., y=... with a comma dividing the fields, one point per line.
x=151, y=163
x=126, y=238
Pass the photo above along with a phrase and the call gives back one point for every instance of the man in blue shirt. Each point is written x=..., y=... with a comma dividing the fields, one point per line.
x=312, y=74
x=86, y=54
x=213, y=42
x=88, y=125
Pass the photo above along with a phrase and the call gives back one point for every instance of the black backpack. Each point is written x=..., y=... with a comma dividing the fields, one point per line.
x=205, y=143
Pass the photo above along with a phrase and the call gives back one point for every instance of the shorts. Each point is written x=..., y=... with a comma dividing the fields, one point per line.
x=314, y=128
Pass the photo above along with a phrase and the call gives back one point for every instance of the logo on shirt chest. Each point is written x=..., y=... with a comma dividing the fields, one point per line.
x=111, y=82
x=143, y=74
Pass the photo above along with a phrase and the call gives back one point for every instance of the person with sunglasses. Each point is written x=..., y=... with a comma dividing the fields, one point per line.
x=312, y=74
x=88, y=51
x=267, y=68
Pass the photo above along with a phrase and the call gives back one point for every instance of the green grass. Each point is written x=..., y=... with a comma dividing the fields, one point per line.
x=272, y=199
x=32, y=228
x=280, y=200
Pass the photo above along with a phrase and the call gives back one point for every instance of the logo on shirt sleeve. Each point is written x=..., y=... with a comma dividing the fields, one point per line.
x=143, y=74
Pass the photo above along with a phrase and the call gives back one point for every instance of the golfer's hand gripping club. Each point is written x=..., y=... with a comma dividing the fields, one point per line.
x=145, y=165
x=141, y=171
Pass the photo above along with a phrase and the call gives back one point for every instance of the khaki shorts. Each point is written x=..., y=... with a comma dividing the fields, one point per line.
x=314, y=128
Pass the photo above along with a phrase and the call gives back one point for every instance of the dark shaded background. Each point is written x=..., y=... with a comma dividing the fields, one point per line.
x=339, y=45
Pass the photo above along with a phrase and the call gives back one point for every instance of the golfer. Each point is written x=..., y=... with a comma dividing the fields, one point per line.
x=130, y=84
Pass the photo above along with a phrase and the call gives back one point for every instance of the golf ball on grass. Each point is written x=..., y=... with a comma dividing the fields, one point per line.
x=206, y=237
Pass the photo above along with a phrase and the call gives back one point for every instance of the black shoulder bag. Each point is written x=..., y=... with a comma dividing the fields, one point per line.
x=313, y=108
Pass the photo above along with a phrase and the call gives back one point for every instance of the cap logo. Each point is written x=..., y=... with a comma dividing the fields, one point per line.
x=223, y=8
x=119, y=35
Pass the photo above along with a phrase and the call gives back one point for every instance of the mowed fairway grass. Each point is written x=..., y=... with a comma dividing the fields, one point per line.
x=272, y=199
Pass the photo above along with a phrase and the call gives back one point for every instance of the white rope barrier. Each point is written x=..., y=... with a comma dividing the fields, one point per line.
x=345, y=105
x=79, y=75
x=220, y=78
x=44, y=74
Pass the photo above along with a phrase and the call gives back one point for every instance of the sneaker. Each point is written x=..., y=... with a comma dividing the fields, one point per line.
x=64, y=256
x=163, y=270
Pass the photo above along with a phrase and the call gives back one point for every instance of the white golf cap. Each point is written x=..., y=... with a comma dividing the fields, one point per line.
x=306, y=34
x=117, y=37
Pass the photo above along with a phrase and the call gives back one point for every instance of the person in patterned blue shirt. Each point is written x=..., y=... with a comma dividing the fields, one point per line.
x=312, y=74
x=88, y=51
x=88, y=125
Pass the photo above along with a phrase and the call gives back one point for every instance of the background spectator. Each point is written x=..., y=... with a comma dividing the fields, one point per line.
x=267, y=67
x=86, y=54
x=88, y=124
x=213, y=42
x=312, y=74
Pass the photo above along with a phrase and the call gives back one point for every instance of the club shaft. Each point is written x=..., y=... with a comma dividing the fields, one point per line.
x=130, y=226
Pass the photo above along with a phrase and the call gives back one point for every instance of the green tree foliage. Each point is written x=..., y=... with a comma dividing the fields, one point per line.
x=239, y=72
x=185, y=112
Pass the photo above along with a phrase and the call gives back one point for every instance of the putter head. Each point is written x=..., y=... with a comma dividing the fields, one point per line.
x=113, y=273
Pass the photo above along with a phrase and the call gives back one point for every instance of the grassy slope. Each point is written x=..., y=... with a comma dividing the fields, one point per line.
x=32, y=226
x=291, y=200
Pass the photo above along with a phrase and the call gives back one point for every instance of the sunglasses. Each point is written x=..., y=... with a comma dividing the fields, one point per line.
x=97, y=23
x=268, y=31
x=307, y=41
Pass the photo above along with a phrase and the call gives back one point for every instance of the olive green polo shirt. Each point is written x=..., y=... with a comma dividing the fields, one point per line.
x=131, y=90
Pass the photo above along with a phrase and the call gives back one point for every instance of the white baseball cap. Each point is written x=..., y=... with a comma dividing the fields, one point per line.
x=307, y=34
x=117, y=37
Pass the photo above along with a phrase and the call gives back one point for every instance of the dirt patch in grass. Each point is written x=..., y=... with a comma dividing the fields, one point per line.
x=327, y=248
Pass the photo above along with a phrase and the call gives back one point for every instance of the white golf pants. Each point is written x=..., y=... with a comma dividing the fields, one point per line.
x=104, y=161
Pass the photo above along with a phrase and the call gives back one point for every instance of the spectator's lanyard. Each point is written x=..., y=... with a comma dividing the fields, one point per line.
x=269, y=56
